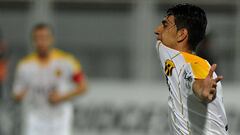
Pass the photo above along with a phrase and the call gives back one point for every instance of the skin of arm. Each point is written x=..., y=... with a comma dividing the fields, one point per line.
x=55, y=97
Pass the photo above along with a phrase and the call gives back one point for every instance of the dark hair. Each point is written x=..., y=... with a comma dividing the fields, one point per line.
x=192, y=18
x=40, y=26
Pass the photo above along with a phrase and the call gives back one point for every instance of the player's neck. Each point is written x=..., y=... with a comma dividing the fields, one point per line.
x=44, y=56
x=184, y=48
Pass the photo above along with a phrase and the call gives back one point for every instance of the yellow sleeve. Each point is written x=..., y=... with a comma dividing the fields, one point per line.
x=76, y=66
x=200, y=66
x=200, y=69
x=76, y=71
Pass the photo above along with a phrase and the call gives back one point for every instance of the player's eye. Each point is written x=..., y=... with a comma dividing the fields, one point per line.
x=164, y=23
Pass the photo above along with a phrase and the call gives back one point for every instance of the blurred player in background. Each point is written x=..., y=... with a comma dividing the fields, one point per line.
x=195, y=99
x=46, y=81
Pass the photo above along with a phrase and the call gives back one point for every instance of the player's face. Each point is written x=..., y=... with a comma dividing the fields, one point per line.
x=167, y=32
x=43, y=40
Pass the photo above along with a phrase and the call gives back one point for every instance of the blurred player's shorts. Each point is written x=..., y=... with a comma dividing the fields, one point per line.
x=35, y=125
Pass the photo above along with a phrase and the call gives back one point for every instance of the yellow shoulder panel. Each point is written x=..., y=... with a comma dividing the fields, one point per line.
x=56, y=54
x=75, y=63
x=29, y=58
x=199, y=65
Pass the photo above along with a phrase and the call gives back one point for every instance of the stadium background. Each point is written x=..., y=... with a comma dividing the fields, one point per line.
x=115, y=42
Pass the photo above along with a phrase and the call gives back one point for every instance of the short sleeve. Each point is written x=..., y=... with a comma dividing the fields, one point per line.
x=200, y=69
x=77, y=74
x=194, y=70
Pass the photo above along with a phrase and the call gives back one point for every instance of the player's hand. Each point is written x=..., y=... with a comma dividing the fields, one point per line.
x=20, y=96
x=55, y=97
x=205, y=89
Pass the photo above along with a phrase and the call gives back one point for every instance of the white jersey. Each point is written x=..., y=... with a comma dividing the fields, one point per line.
x=187, y=114
x=41, y=117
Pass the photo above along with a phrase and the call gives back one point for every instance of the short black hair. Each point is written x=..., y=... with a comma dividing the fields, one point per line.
x=192, y=18
x=40, y=26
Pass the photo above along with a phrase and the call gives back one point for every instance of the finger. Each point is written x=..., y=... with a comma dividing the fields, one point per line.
x=214, y=85
x=213, y=91
x=212, y=69
x=214, y=96
x=211, y=97
x=219, y=78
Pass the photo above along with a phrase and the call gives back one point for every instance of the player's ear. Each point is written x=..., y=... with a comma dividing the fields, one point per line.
x=182, y=34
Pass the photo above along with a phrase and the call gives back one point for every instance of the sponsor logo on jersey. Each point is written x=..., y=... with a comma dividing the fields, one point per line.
x=188, y=78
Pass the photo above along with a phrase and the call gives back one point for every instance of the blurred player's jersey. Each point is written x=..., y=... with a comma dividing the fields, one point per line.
x=187, y=114
x=61, y=72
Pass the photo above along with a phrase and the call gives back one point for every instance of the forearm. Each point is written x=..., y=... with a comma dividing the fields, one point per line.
x=197, y=89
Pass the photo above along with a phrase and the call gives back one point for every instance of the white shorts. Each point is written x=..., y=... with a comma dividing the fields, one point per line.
x=34, y=125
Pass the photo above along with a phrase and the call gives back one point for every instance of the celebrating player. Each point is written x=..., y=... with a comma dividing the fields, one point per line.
x=195, y=99
x=46, y=80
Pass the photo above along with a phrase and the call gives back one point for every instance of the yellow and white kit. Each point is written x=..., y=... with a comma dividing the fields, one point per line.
x=187, y=114
x=62, y=73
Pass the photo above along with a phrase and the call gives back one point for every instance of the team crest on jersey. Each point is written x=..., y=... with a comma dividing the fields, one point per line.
x=169, y=65
x=58, y=73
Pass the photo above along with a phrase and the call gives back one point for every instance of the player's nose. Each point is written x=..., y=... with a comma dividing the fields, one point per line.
x=158, y=34
x=157, y=31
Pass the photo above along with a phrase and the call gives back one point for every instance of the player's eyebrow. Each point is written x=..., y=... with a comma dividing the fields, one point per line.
x=167, y=20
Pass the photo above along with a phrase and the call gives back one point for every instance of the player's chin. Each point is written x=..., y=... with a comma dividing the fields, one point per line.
x=159, y=40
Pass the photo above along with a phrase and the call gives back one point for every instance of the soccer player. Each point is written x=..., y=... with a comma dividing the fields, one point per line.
x=195, y=92
x=46, y=81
